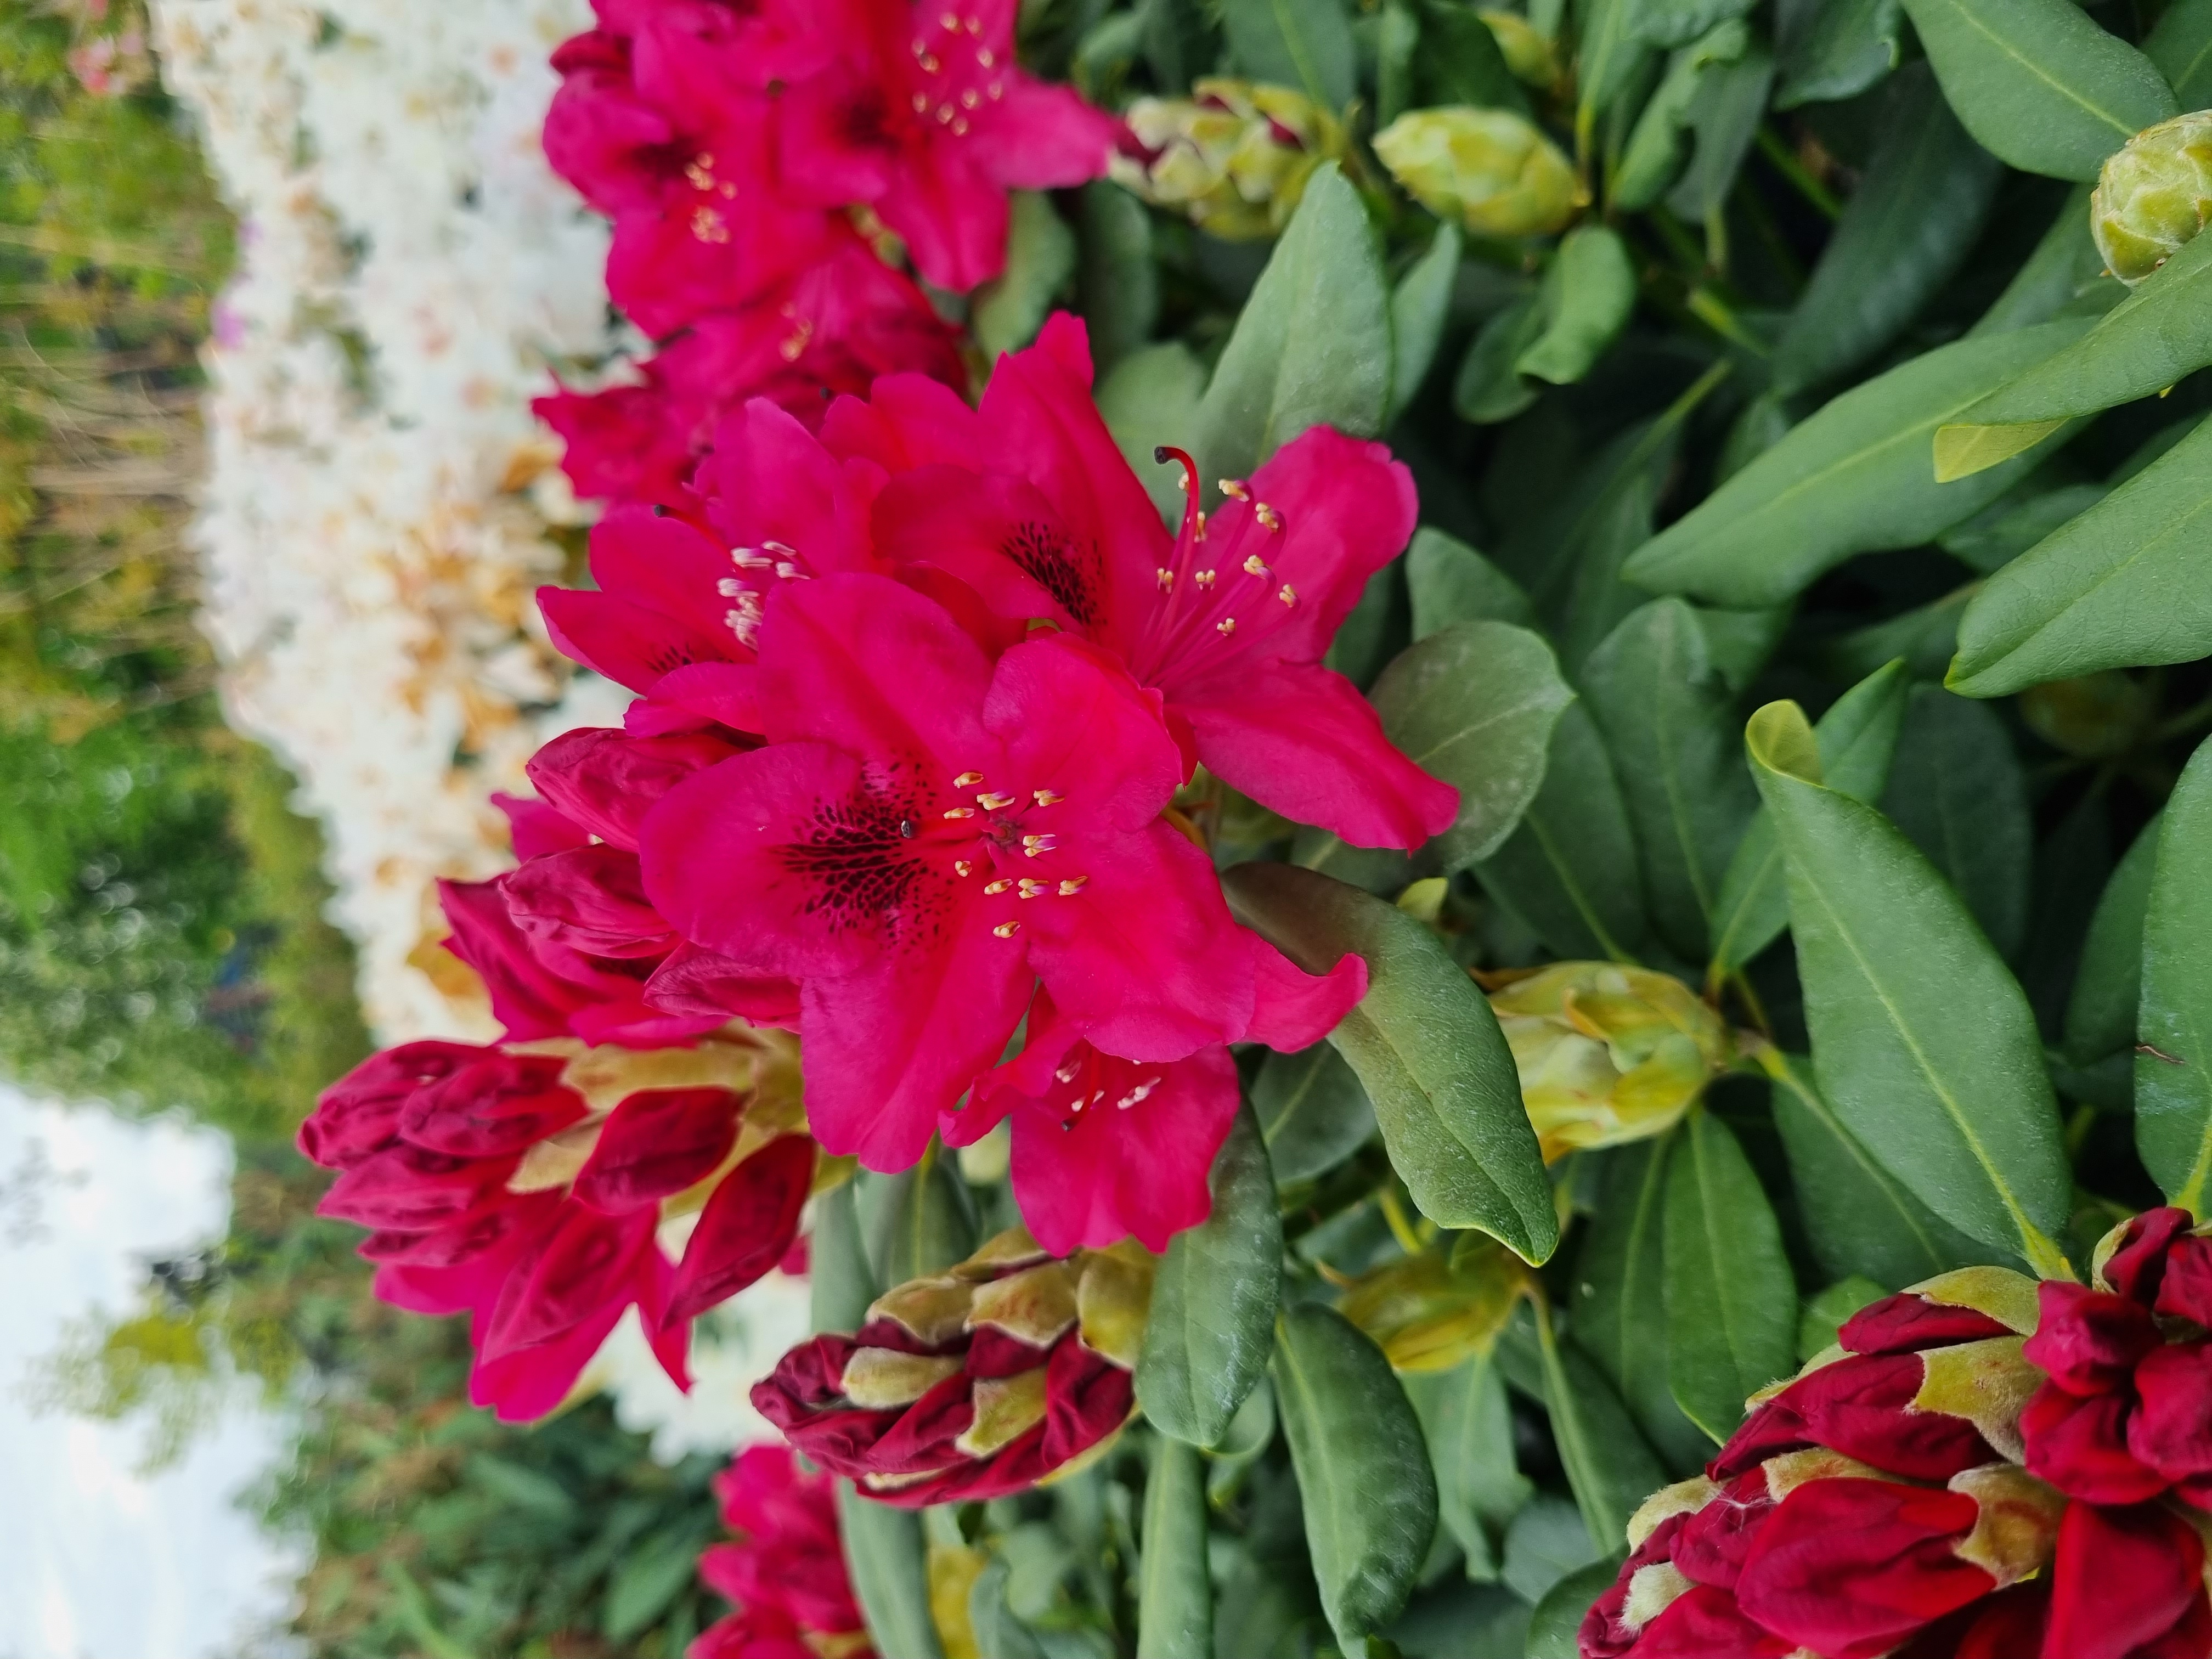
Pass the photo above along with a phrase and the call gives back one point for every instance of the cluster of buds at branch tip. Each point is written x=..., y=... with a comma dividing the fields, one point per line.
x=1235, y=156
x=1007, y=1368
x=2152, y=195
x=1606, y=1053
x=1435, y=1311
x=1487, y=169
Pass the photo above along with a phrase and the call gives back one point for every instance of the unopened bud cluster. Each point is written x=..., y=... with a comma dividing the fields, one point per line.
x=1234, y=156
x=2152, y=195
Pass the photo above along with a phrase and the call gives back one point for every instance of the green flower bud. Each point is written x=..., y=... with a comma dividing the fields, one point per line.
x=1430, y=1312
x=1488, y=168
x=1606, y=1053
x=2152, y=195
x=1234, y=156
x=1527, y=50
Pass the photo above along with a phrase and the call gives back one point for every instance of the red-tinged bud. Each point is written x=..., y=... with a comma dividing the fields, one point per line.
x=2089, y=1341
x=359, y=1114
x=748, y=1226
x=408, y=1186
x=607, y=780
x=786, y=1570
x=657, y=1143
x=695, y=982
x=976, y=1383
x=493, y=1106
x=2128, y=1584
x=592, y=900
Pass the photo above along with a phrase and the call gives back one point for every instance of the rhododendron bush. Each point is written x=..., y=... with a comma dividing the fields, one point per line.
x=1413, y=787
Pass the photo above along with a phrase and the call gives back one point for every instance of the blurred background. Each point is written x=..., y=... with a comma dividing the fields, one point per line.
x=246, y=365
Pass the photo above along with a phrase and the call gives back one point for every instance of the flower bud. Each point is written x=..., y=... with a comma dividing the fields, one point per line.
x=2152, y=195
x=1527, y=50
x=1488, y=168
x=982, y=1380
x=1235, y=156
x=785, y=1573
x=1430, y=1312
x=1606, y=1053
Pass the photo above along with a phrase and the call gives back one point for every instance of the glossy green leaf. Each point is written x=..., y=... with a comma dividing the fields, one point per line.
x=1117, y=285
x=1569, y=870
x=1957, y=790
x=1653, y=159
x=2181, y=48
x=1448, y=582
x=1669, y=723
x=1469, y=1429
x=1488, y=387
x=1731, y=1301
x=2037, y=84
x=999, y=1632
x=1852, y=478
x=1555, y=1629
x=1312, y=1111
x=1213, y=1299
x=1609, y=1468
x=1175, y=1592
x=2123, y=584
x=1150, y=398
x=1922, y=1042
x=1427, y=1049
x=838, y=1275
x=661, y=1568
x=2173, y=1066
x=1313, y=344
x=1910, y=226
x=1397, y=43
x=917, y=1222
x=1306, y=43
x=1724, y=118
x=1547, y=1542
x=1587, y=297
x=1363, y=1478
x=1620, y=1298
x=1460, y=62
x=1474, y=705
x=2161, y=331
x=888, y=1563
x=1825, y=1314
x=1419, y=306
x=1610, y=57
x=1837, y=49
x=1012, y=305
x=2100, y=1016
x=1857, y=738
x=1858, y=1218
x=1674, y=22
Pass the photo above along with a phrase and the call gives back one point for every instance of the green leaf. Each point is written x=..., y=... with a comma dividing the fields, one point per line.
x=657, y=1571
x=1547, y=1542
x=2007, y=527
x=1858, y=1218
x=1474, y=705
x=1725, y=117
x=1117, y=286
x=1363, y=1479
x=918, y=1222
x=2174, y=1068
x=1312, y=1111
x=1150, y=398
x=1213, y=1299
x=1851, y=479
x=1857, y=738
x=1418, y=306
x=1923, y=1041
x=1731, y=1301
x=1669, y=723
x=1607, y=63
x=1313, y=344
x=999, y=1632
x=1460, y=62
x=2064, y=265
x=2037, y=84
x=1586, y=299
x=1620, y=1298
x=1569, y=870
x=2161, y=331
x=1837, y=49
x=1306, y=43
x=1554, y=1631
x=2181, y=48
x=1653, y=159
x=1449, y=582
x=1488, y=388
x=1174, y=1593
x=1397, y=43
x=888, y=1566
x=1011, y=307
x=2100, y=1016
x=1825, y=1314
x=1957, y=790
x=839, y=1277
x=1910, y=226
x=1469, y=1429
x=1674, y=22
x=1427, y=1049
x=1609, y=1468
x=2123, y=584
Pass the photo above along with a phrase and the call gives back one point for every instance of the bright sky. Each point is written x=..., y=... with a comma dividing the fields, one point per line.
x=98, y=1561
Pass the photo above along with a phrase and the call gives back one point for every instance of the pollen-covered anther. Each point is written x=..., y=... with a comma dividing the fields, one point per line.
x=1138, y=1093
x=1199, y=534
x=1255, y=565
x=1034, y=845
x=1288, y=594
x=1235, y=490
x=1072, y=885
x=970, y=98
x=1268, y=516
x=949, y=21
x=706, y=225
x=751, y=558
x=782, y=550
x=1226, y=625
x=1031, y=887
x=962, y=867
x=995, y=800
x=1007, y=929
x=997, y=89
x=960, y=126
x=1047, y=797
x=1204, y=578
x=997, y=887
x=974, y=24
x=921, y=103
x=1066, y=1073
x=945, y=114
x=929, y=63
x=788, y=571
x=1165, y=577
x=959, y=811
x=967, y=779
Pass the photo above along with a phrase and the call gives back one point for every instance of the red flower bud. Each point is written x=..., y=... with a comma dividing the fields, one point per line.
x=975, y=1382
x=607, y=780
x=592, y=900
x=360, y=1113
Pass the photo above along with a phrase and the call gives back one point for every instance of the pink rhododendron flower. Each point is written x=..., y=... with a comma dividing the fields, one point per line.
x=1230, y=619
x=924, y=116
x=926, y=835
x=785, y=1572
